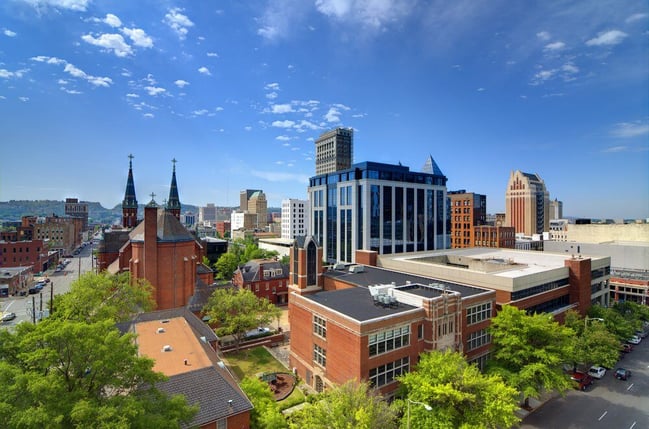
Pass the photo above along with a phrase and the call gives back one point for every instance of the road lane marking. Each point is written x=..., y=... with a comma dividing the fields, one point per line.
x=630, y=386
x=602, y=416
x=632, y=426
x=9, y=305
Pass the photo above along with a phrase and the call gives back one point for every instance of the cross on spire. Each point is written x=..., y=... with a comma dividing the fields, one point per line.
x=152, y=195
x=130, y=160
x=174, y=162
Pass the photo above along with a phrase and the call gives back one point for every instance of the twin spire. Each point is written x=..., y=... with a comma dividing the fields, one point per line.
x=129, y=204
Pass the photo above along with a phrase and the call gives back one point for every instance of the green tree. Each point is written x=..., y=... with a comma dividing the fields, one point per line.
x=617, y=323
x=351, y=405
x=458, y=393
x=594, y=343
x=238, y=311
x=265, y=414
x=528, y=351
x=69, y=373
x=94, y=297
x=226, y=265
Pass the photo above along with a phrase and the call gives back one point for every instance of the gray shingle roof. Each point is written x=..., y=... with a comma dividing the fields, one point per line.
x=169, y=229
x=210, y=390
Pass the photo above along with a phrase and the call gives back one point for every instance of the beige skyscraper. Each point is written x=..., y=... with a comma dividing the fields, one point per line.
x=334, y=150
x=527, y=203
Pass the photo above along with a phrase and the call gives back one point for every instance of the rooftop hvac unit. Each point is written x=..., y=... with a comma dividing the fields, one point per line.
x=161, y=330
x=166, y=348
x=357, y=269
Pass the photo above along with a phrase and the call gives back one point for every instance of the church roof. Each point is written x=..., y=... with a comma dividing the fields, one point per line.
x=169, y=229
x=174, y=200
x=130, y=202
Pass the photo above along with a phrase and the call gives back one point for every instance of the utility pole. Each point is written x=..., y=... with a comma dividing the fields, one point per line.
x=33, y=309
x=51, y=298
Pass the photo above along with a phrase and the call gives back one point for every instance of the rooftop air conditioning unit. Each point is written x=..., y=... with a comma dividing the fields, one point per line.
x=166, y=348
x=161, y=330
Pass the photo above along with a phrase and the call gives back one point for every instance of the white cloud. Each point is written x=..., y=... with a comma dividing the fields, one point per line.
x=636, y=17
x=111, y=42
x=148, y=115
x=370, y=13
x=80, y=5
x=12, y=74
x=62, y=82
x=138, y=37
x=74, y=71
x=283, y=138
x=200, y=112
x=304, y=125
x=126, y=73
x=2, y=97
x=608, y=38
x=218, y=109
x=630, y=129
x=271, y=95
x=9, y=33
x=131, y=95
x=569, y=68
x=615, y=149
x=543, y=35
x=272, y=86
x=71, y=91
x=480, y=89
x=283, y=124
x=212, y=54
x=24, y=99
x=154, y=90
x=333, y=115
x=247, y=128
x=178, y=22
x=554, y=46
x=282, y=108
x=566, y=72
x=204, y=70
x=181, y=83
x=112, y=20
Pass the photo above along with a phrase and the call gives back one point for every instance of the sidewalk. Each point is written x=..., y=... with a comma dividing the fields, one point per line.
x=535, y=404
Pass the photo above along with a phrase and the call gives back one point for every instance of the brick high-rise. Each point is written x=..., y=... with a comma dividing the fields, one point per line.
x=527, y=203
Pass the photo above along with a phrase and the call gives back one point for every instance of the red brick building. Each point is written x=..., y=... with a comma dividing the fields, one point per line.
x=266, y=278
x=24, y=253
x=494, y=236
x=368, y=323
x=468, y=210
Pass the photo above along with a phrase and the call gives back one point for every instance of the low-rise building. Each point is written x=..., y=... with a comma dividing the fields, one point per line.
x=266, y=278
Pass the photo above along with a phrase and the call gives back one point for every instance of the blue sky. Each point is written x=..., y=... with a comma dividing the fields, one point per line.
x=237, y=91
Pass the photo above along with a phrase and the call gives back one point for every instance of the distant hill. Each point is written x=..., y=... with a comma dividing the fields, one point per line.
x=14, y=210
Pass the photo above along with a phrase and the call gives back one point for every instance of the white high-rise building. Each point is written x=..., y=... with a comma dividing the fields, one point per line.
x=295, y=218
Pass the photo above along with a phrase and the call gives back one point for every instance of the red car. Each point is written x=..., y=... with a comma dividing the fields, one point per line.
x=626, y=348
x=582, y=381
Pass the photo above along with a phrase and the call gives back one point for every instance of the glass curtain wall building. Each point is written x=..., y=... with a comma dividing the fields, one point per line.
x=381, y=207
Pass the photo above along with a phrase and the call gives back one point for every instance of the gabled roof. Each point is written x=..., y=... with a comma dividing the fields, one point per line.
x=169, y=229
x=252, y=271
x=208, y=388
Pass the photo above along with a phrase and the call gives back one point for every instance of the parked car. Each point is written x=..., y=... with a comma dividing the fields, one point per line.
x=582, y=381
x=626, y=348
x=8, y=316
x=634, y=340
x=597, y=372
x=32, y=290
x=622, y=374
x=641, y=334
x=257, y=332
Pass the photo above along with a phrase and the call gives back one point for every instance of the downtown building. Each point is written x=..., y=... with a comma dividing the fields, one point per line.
x=295, y=218
x=380, y=207
x=527, y=204
x=334, y=150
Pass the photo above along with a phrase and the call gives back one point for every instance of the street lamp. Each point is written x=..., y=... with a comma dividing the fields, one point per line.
x=426, y=406
x=587, y=319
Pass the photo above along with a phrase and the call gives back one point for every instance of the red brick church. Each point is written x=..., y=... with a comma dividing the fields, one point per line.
x=157, y=248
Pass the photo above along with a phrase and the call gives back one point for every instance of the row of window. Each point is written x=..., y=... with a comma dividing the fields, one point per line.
x=478, y=313
x=319, y=326
x=20, y=250
x=319, y=355
x=477, y=339
x=388, y=340
x=387, y=373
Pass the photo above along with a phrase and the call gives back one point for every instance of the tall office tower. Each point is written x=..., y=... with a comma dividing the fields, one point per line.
x=334, y=150
x=129, y=204
x=257, y=205
x=207, y=213
x=527, y=203
x=295, y=218
x=381, y=207
x=468, y=210
x=73, y=208
x=244, y=196
x=173, y=203
x=556, y=209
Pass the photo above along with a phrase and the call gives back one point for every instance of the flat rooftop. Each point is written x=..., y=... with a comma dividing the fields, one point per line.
x=372, y=276
x=177, y=334
x=356, y=303
x=509, y=263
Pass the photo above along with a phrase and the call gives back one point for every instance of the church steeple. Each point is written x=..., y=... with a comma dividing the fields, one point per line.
x=129, y=205
x=173, y=203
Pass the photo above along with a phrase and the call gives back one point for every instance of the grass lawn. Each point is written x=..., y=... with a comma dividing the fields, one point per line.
x=252, y=362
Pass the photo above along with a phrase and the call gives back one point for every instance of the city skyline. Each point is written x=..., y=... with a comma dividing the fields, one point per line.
x=238, y=93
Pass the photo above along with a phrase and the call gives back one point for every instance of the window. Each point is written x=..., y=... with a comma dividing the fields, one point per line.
x=386, y=374
x=391, y=339
x=319, y=355
x=222, y=424
x=478, y=313
x=478, y=339
x=319, y=326
x=420, y=331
